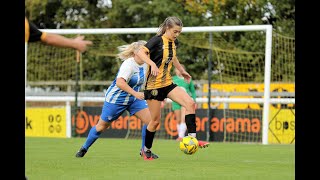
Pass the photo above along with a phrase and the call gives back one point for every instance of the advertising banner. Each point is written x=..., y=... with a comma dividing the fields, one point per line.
x=45, y=122
x=282, y=126
x=230, y=125
x=244, y=123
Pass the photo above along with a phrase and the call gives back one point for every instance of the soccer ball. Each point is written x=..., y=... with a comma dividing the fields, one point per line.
x=189, y=145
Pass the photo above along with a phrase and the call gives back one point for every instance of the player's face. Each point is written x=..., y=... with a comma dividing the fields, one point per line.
x=174, y=32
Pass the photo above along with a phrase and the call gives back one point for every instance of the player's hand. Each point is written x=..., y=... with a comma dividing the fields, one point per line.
x=154, y=70
x=81, y=43
x=186, y=76
x=139, y=95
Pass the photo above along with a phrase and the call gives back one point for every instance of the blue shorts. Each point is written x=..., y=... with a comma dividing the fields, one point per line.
x=111, y=111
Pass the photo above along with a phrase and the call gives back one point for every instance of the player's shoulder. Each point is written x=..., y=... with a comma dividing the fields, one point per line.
x=128, y=62
x=155, y=38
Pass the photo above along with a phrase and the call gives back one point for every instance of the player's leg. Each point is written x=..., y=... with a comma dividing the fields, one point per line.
x=144, y=127
x=150, y=131
x=143, y=138
x=140, y=109
x=177, y=113
x=93, y=135
x=143, y=135
x=110, y=112
x=155, y=113
x=181, y=96
x=182, y=125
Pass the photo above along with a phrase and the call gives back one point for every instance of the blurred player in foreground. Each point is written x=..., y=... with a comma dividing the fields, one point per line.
x=33, y=34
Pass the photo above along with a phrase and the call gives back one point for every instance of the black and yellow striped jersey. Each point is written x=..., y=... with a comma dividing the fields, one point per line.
x=32, y=33
x=161, y=51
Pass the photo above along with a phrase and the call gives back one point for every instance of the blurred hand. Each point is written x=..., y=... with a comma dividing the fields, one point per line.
x=154, y=70
x=139, y=95
x=186, y=76
x=81, y=43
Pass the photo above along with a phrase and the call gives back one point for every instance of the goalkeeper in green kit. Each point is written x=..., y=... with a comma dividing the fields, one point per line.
x=179, y=111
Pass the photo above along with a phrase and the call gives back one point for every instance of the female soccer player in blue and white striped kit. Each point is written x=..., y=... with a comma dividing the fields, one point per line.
x=124, y=94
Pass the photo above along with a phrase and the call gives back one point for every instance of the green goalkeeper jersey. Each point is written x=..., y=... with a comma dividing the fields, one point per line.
x=189, y=87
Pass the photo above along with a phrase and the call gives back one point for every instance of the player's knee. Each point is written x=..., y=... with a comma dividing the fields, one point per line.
x=156, y=118
x=146, y=121
x=101, y=126
x=156, y=124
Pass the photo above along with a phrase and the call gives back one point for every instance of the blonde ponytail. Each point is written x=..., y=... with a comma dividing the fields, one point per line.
x=127, y=51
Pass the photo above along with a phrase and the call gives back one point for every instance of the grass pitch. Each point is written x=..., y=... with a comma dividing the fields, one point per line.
x=54, y=158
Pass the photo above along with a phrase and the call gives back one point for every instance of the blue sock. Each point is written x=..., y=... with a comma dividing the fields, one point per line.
x=144, y=128
x=92, y=137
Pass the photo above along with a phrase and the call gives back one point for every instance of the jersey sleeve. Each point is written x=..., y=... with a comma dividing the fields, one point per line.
x=125, y=70
x=152, y=42
x=35, y=33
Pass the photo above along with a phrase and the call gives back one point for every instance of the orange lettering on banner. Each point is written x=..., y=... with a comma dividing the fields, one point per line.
x=93, y=120
x=118, y=124
x=82, y=122
x=204, y=120
x=125, y=122
x=238, y=125
x=222, y=123
x=214, y=124
x=229, y=124
x=170, y=124
x=256, y=125
x=243, y=123
x=134, y=123
x=201, y=123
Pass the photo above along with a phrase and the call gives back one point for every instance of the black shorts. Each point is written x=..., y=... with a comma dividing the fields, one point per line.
x=158, y=94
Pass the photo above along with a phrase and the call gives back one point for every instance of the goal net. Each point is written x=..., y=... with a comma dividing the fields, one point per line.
x=251, y=84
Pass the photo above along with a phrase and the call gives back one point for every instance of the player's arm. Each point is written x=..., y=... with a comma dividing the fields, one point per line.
x=124, y=74
x=52, y=39
x=184, y=73
x=33, y=33
x=177, y=64
x=60, y=41
x=144, y=53
x=193, y=90
x=123, y=85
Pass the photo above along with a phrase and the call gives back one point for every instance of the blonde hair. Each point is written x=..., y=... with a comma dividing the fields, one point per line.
x=169, y=22
x=128, y=50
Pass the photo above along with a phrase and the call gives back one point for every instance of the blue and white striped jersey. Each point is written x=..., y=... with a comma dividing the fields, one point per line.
x=134, y=74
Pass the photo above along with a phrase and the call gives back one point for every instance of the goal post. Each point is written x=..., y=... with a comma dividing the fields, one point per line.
x=266, y=100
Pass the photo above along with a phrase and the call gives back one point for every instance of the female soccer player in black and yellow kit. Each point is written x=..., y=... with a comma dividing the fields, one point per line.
x=162, y=51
